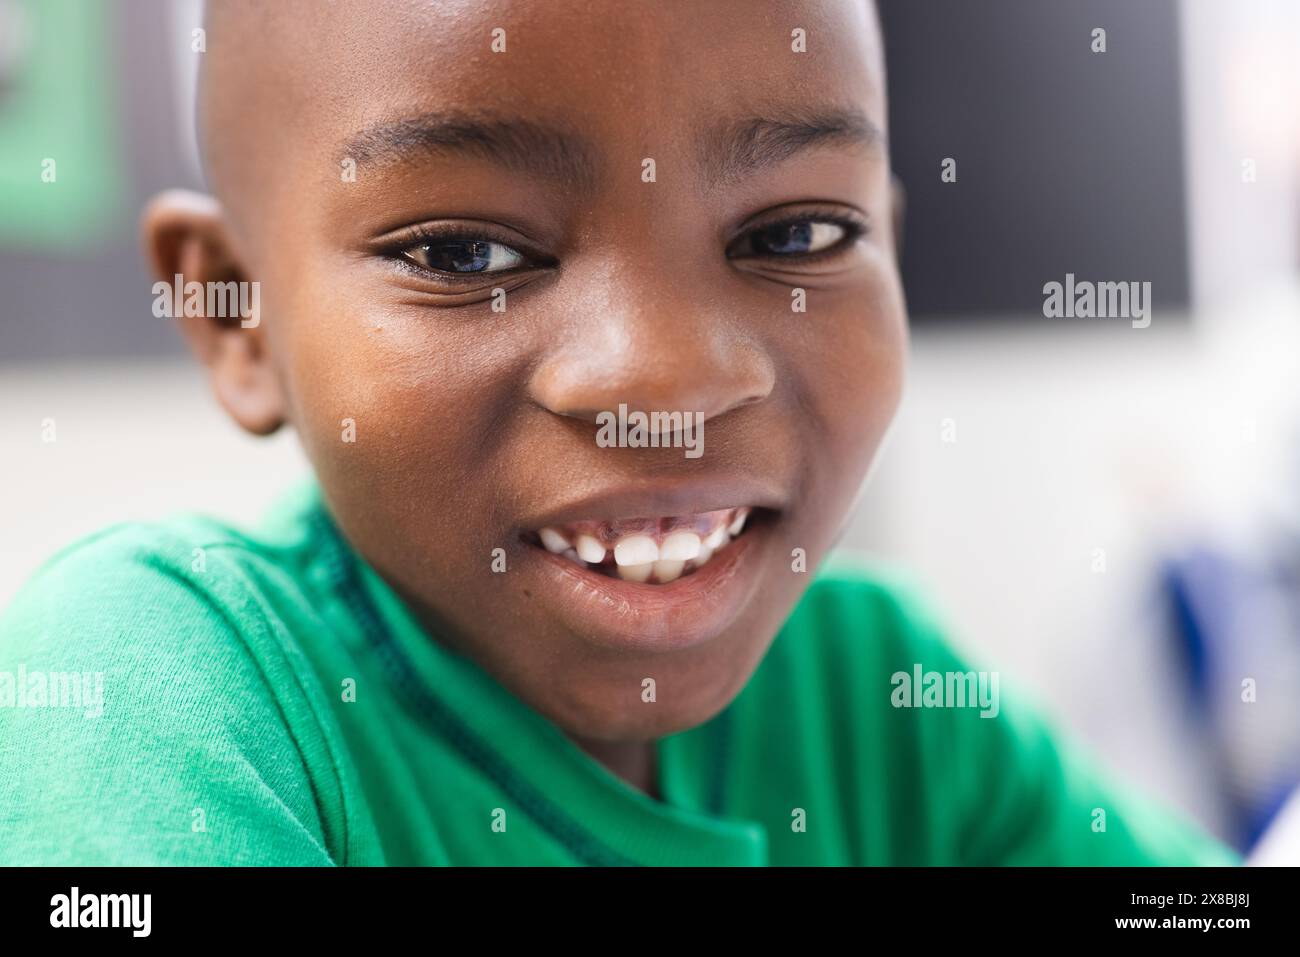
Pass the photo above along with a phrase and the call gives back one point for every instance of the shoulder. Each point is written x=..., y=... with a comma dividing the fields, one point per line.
x=976, y=772
x=189, y=574
x=167, y=593
x=144, y=678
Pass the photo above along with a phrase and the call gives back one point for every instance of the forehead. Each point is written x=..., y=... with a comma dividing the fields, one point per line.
x=655, y=76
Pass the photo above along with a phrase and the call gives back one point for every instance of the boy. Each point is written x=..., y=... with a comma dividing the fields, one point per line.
x=482, y=233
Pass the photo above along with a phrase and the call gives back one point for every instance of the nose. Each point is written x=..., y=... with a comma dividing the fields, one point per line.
x=654, y=349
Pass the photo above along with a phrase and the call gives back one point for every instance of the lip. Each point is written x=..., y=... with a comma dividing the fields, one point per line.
x=628, y=616
x=659, y=499
x=631, y=616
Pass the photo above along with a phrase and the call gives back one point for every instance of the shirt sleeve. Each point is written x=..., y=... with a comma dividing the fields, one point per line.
x=136, y=728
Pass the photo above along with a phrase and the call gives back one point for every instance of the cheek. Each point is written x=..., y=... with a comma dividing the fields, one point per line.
x=861, y=379
x=392, y=406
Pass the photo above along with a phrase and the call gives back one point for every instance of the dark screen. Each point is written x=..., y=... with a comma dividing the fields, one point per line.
x=1067, y=160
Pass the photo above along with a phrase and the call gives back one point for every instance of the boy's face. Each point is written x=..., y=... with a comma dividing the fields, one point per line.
x=525, y=170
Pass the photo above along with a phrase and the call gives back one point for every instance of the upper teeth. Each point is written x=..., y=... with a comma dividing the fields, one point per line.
x=642, y=553
x=589, y=549
x=680, y=547
x=553, y=540
x=636, y=550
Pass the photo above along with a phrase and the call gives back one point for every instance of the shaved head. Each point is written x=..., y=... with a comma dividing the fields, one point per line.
x=261, y=77
x=247, y=90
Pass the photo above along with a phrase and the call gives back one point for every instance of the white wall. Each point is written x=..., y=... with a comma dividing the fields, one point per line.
x=131, y=441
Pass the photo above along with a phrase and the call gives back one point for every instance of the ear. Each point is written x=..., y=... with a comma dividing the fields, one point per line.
x=898, y=207
x=187, y=240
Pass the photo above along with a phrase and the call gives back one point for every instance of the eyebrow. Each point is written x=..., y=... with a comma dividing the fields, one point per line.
x=726, y=153
x=516, y=144
x=741, y=149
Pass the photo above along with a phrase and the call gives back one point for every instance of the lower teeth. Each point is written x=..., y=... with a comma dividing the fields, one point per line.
x=660, y=573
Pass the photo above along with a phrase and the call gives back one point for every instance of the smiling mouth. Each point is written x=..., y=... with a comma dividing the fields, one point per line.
x=649, y=550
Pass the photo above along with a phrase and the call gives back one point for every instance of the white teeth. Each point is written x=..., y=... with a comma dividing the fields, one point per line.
x=667, y=571
x=680, y=547
x=640, y=557
x=590, y=549
x=553, y=540
x=636, y=550
x=636, y=573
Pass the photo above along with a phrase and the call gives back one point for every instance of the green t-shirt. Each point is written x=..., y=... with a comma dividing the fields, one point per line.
x=268, y=700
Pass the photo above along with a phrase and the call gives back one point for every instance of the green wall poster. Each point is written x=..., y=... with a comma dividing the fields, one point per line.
x=61, y=170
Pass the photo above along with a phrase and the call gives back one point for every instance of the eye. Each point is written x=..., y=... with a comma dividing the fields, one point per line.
x=464, y=256
x=796, y=239
x=801, y=237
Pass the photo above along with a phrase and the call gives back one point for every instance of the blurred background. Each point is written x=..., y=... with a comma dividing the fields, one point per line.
x=1109, y=516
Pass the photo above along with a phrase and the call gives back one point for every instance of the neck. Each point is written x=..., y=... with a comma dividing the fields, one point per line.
x=633, y=761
